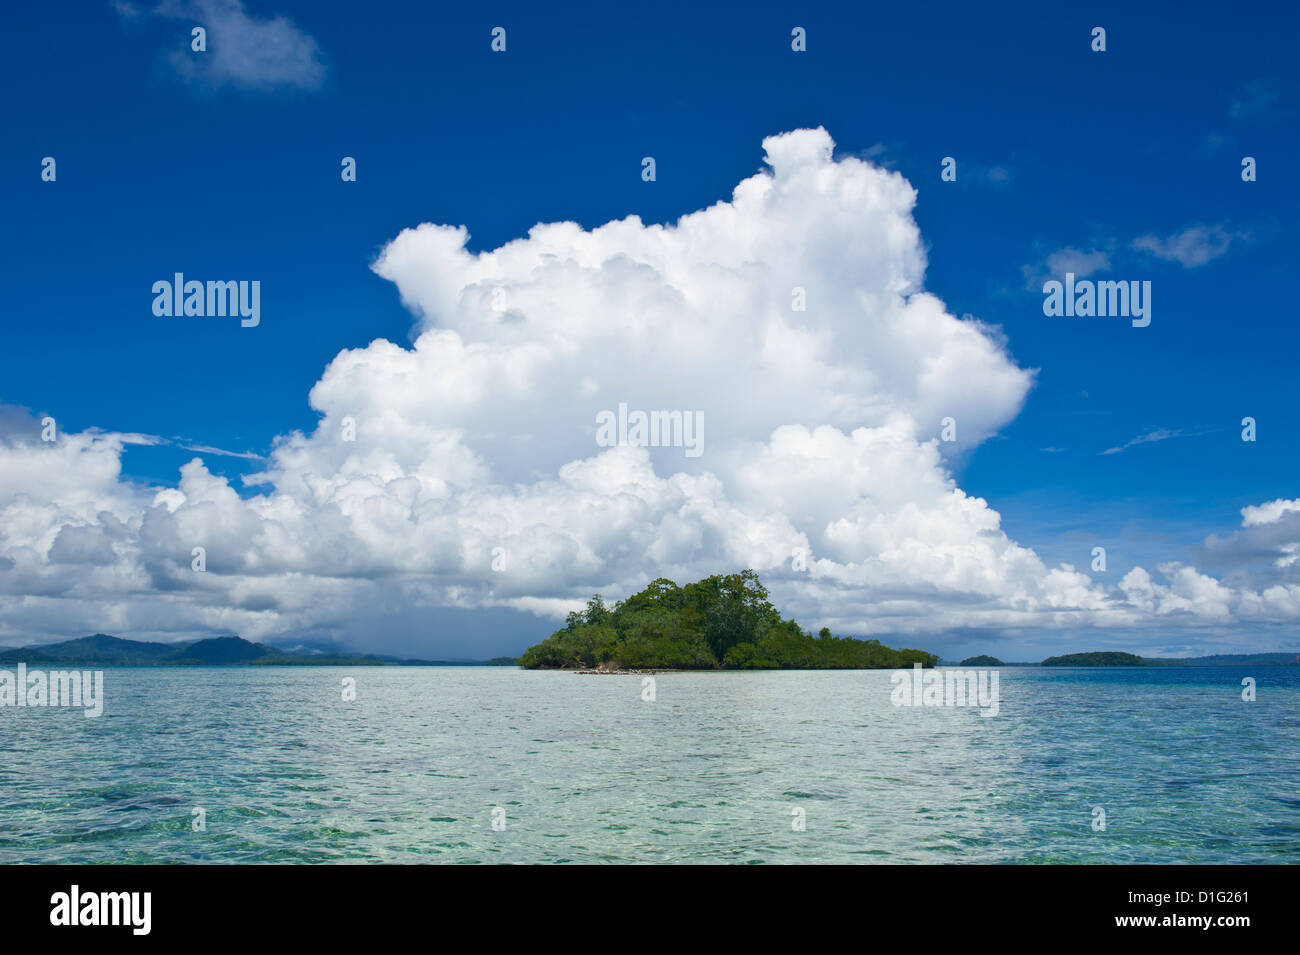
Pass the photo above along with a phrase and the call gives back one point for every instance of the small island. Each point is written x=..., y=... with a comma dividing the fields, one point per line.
x=1095, y=659
x=720, y=622
x=983, y=660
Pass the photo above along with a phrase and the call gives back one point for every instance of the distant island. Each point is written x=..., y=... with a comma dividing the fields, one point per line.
x=1119, y=659
x=1098, y=659
x=103, y=650
x=1115, y=659
x=720, y=622
x=983, y=660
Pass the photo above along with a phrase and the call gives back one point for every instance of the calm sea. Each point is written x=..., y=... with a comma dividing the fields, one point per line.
x=719, y=767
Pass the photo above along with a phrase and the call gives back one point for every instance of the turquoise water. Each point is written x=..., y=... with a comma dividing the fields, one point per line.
x=711, y=770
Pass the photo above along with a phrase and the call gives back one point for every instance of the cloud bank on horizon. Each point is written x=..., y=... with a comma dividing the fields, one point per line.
x=465, y=471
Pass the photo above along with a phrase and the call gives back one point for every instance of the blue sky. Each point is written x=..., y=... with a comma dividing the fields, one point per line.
x=1130, y=158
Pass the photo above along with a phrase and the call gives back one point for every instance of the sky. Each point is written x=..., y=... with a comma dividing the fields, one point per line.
x=501, y=271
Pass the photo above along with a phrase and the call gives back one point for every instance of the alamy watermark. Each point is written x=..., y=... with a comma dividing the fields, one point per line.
x=1086, y=298
x=653, y=429
x=947, y=687
x=84, y=688
x=196, y=299
x=75, y=907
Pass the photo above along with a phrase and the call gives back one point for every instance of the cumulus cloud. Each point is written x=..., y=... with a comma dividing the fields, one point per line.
x=1265, y=552
x=243, y=50
x=464, y=471
x=1268, y=513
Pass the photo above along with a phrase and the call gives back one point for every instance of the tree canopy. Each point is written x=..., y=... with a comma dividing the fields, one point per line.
x=723, y=621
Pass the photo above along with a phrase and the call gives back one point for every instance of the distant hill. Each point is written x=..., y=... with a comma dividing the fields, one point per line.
x=1289, y=658
x=983, y=660
x=103, y=650
x=100, y=648
x=223, y=651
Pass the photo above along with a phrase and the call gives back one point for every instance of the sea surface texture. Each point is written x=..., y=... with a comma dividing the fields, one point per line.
x=498, y=765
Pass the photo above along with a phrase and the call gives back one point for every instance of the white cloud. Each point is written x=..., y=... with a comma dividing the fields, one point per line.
x=1268, y=513
x=220, y=452
x=1254, y=101
x=243, y=50
x=1069, y=259
x=1187, y=593
x=1267, y=548
x=1192, y=247
x=1159, y=434
x=821, y=436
